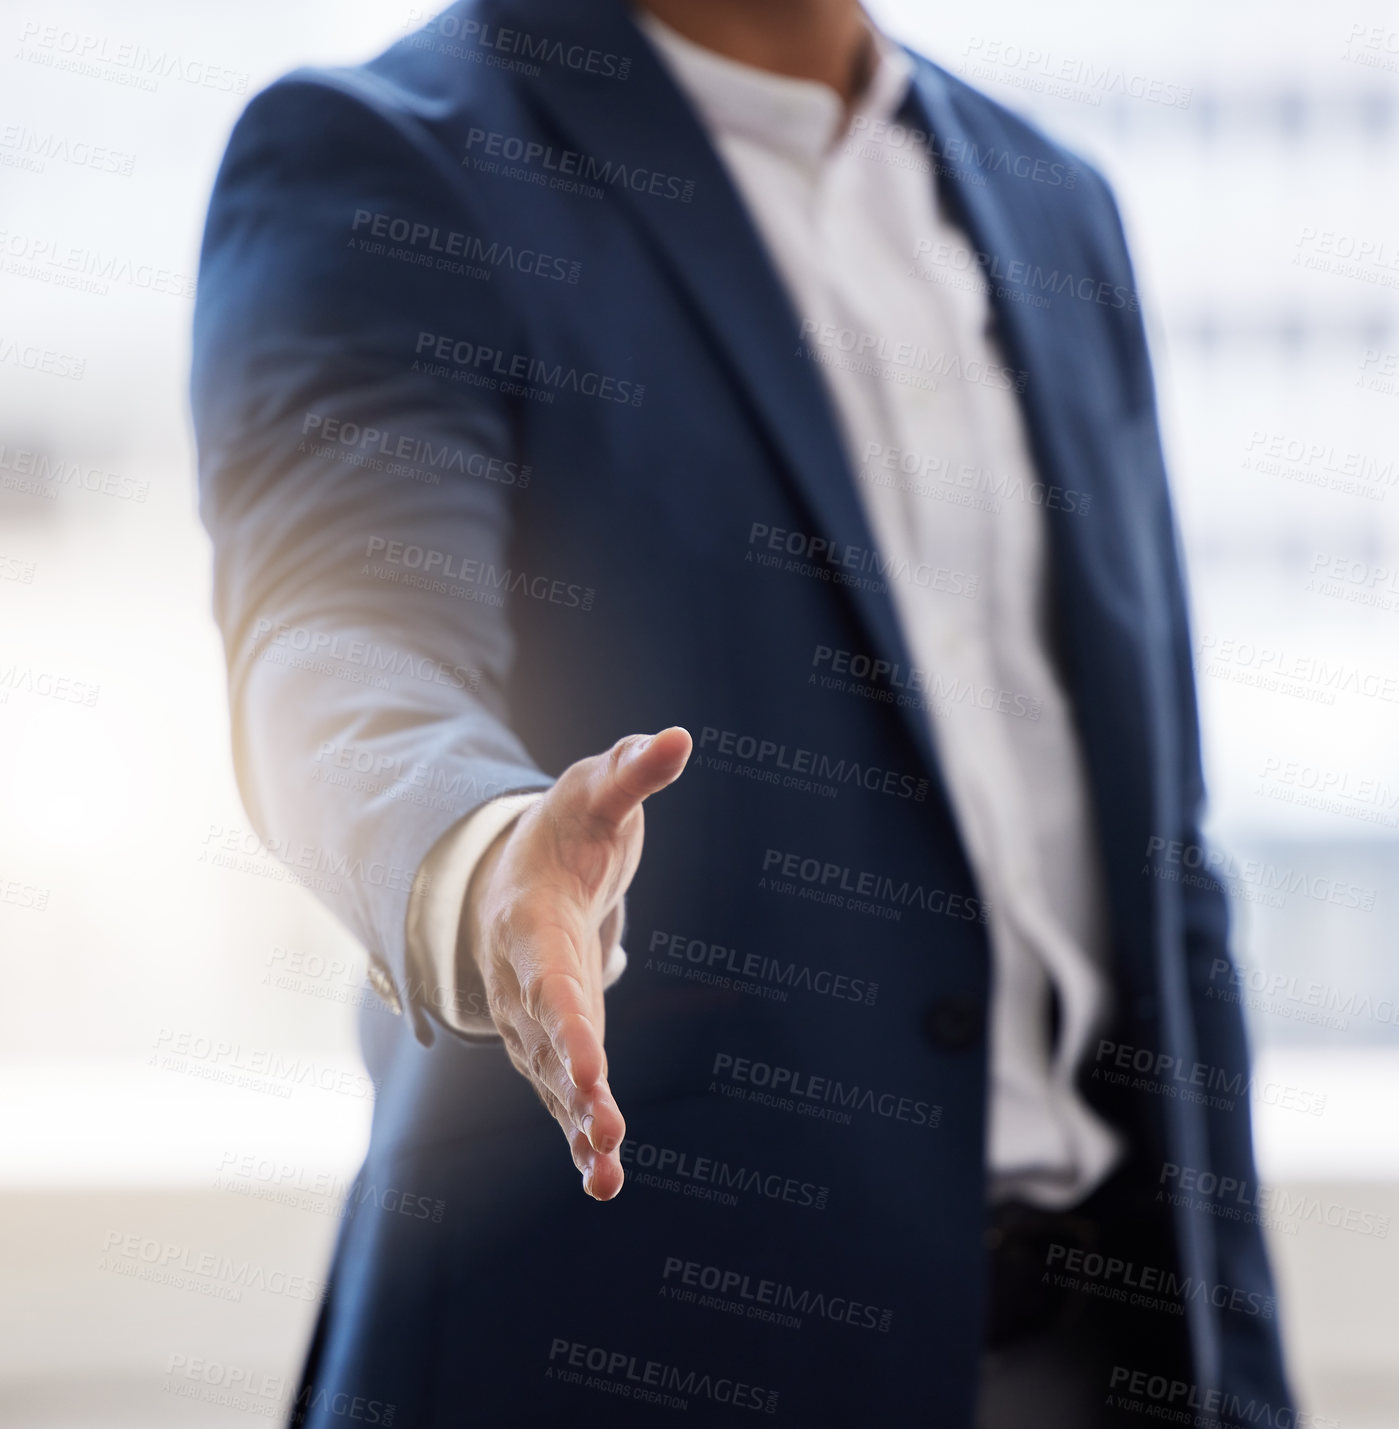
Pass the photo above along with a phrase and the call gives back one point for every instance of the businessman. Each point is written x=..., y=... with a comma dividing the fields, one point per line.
x=702, y=606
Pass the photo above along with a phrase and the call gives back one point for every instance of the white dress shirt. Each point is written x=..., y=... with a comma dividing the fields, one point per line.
x=842, y=211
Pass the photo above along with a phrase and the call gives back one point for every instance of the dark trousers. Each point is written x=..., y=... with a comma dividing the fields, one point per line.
x=1076, y=1299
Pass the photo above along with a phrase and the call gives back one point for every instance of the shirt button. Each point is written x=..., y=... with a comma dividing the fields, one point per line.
x=952, y=1024
x=379, y=981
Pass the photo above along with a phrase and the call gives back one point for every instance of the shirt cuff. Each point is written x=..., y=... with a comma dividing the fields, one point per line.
x=436, y=939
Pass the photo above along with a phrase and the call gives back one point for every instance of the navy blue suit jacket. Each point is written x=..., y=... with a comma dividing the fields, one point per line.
x=499, y=400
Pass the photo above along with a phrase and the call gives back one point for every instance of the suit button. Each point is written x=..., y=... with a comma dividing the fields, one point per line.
x=952, y=1024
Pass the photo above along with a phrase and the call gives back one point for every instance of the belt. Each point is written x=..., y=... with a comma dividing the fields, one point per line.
x=1023, y=1297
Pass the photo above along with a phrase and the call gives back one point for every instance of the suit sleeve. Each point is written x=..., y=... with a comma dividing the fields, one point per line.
x=1205, y=902
x=1253, y=1363
x=356, y=507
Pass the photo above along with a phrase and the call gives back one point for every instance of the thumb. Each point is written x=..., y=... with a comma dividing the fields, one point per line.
x=632, y=770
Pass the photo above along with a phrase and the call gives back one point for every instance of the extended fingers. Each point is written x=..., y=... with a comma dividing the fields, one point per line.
x=545, y=1015
x=601, y=1169
x=602, y=1175
x=594, y=1113
x=547, y=964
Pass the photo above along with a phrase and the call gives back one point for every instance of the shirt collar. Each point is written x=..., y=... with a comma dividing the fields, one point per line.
x=798, y=117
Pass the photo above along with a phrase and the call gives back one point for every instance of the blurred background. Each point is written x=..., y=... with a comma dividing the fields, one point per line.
x=181, y=1101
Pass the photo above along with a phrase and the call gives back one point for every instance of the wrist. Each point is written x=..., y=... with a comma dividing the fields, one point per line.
x=475, y=920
